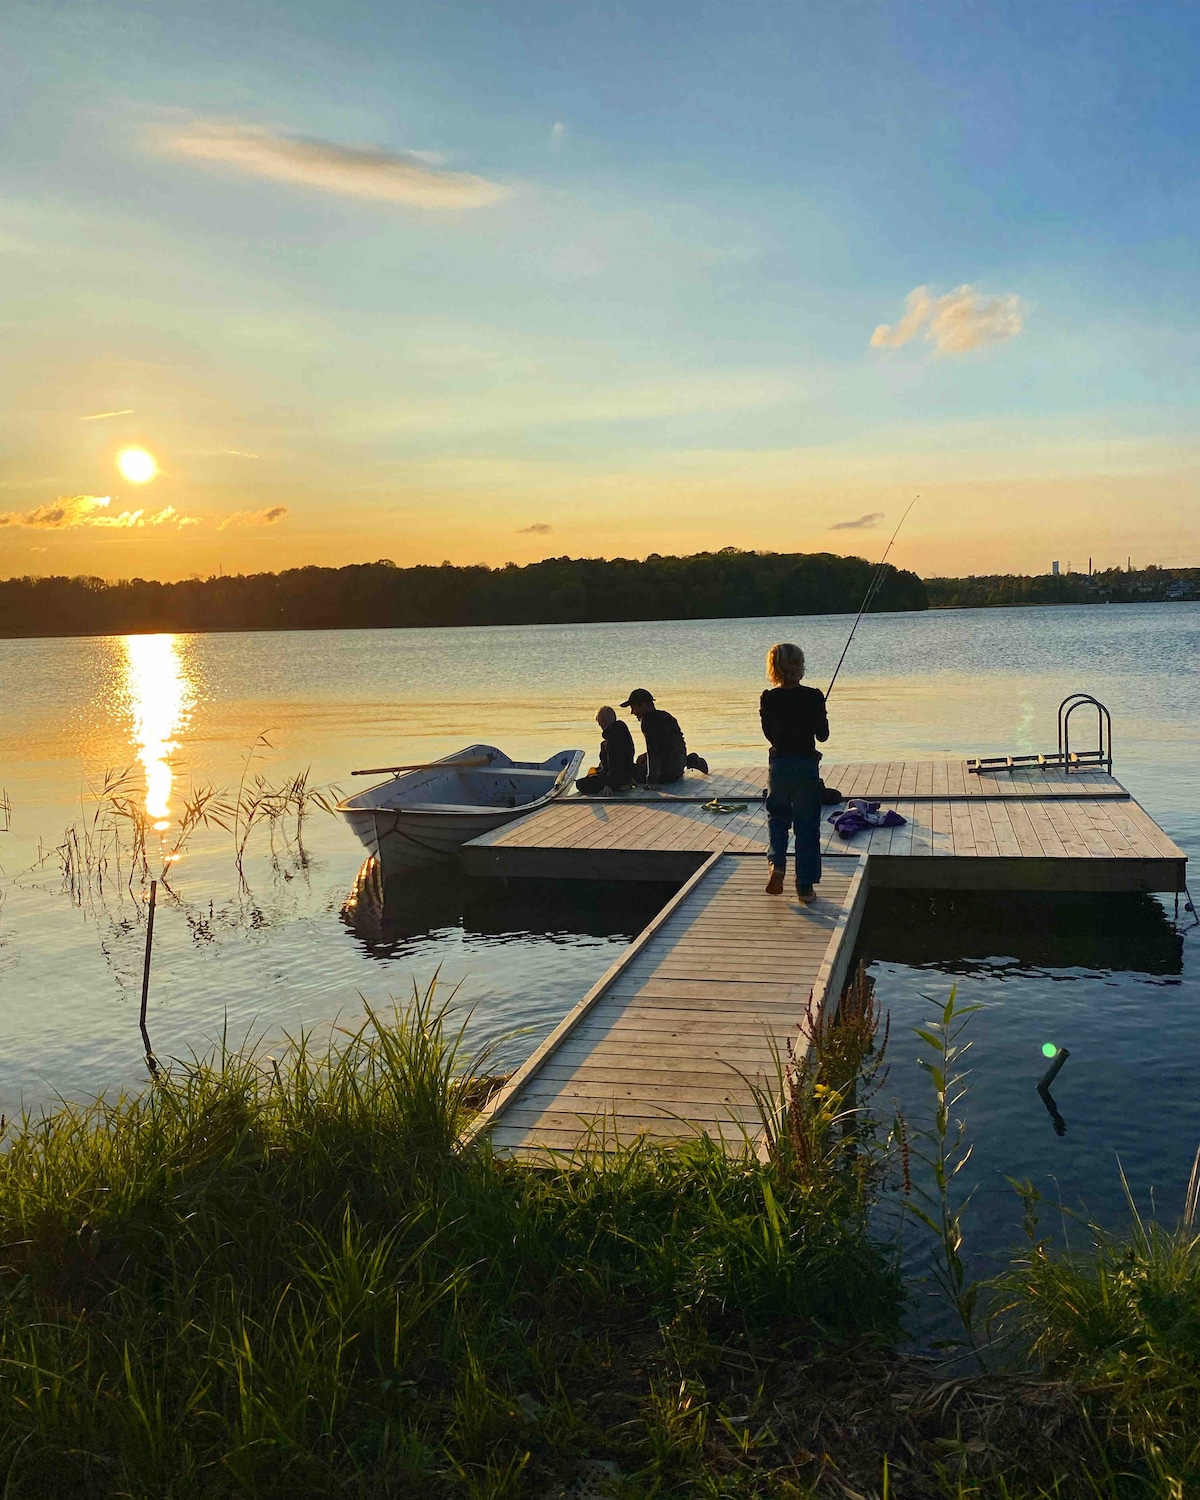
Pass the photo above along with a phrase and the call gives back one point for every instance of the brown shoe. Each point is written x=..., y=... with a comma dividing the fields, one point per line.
x=775, y=882
x=805, y=895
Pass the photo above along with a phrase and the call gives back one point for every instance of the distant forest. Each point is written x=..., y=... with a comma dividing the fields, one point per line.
x=1113, y=586
x=709, y=585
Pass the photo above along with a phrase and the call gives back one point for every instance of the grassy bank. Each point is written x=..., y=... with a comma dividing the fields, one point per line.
x=285, y=1277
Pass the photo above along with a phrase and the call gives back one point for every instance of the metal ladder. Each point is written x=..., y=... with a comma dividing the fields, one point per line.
x=1064, y=758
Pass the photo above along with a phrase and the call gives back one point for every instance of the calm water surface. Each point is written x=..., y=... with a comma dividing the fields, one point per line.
x=278, y=950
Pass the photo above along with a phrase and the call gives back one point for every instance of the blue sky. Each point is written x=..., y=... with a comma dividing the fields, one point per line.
x=493, y=282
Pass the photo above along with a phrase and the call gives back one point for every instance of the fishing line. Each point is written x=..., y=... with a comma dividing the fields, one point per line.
x=872, y=590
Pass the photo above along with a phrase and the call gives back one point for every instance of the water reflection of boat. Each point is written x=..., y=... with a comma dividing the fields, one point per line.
x=423, y=817
x=400, y=916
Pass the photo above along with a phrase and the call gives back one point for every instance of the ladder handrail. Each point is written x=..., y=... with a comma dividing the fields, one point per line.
x=1103, y=729
x=1066, y=758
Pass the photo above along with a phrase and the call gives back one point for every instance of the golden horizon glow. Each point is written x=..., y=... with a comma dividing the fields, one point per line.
x=136, y=465
x=160, y=698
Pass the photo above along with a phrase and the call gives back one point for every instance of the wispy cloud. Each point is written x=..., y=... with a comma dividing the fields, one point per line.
x=99, y=416
x=539, y=528
x=266, y=517
x=862, y=523
x=71, y=510
x=955, y=323
x=353, y=171
x=91, y=510
x=558, y=132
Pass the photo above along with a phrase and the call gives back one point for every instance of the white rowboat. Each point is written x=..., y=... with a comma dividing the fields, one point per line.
x=425, y=816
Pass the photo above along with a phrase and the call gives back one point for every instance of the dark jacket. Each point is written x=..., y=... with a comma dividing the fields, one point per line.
x=666, y=750
x=793, y=719
x=616, y=755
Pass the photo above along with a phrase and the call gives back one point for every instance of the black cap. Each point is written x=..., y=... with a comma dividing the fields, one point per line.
x=639, y=695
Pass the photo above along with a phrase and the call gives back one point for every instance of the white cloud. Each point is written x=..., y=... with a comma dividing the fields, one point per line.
x=353, y=171
x=91, y=510
x=558, y=132
x=70, y=510
x=955, y=323
x=266, y=517
x=126, y=520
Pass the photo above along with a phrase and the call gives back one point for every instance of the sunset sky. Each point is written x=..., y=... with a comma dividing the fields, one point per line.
x=495, y=282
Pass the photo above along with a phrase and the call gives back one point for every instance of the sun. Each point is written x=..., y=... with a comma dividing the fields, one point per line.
x=137, y=465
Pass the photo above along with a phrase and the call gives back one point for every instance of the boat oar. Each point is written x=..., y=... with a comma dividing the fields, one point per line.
x=427, y=765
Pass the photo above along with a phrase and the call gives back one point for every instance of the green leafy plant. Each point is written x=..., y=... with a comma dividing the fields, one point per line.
x=944, y=1150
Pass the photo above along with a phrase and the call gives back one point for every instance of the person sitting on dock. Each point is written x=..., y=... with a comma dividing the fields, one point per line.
x=666, y=755
x=793, y=719
x=615, y=771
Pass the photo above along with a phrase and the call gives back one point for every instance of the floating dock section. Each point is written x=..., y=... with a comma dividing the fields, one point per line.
x=1025, y=830
x=685, y=1033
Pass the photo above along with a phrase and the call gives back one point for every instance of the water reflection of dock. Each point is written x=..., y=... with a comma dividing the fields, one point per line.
x=672, y=1038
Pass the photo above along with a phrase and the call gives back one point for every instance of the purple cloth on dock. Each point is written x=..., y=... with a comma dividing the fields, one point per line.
x=860, y=814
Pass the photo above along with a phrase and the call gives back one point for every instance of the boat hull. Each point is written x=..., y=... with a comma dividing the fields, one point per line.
x=404, y=842
x=410, y=834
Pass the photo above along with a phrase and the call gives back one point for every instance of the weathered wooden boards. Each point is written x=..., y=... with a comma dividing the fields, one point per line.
x=670, y=1042
x=1048, y=831
x=920, y=780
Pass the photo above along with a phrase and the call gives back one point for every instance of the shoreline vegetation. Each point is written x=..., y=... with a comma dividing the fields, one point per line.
x=1150, y=585
x=729, y=584
x=296, y=1276
x=709, y=585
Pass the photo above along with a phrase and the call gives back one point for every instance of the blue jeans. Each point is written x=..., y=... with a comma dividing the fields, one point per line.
x=794, y=801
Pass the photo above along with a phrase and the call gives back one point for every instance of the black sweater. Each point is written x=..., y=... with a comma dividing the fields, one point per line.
x=793, y=719
x=666, y=749
x=616, y=755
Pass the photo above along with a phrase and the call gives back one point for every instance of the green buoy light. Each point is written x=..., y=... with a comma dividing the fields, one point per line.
x=1049, y=1049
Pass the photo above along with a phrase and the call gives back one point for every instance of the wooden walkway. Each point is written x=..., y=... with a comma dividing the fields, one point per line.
x=717, y=984
x=695, y=1012
x=1022, y=831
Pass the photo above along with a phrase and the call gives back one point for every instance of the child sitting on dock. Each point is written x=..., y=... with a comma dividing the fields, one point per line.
x=793, y=719
x=615, y=771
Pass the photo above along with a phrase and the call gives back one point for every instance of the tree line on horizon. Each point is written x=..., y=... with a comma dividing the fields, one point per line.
x=707, y=585
x=1148, y=585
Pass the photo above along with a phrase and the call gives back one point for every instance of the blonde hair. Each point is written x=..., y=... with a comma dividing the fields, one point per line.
x=785, y=664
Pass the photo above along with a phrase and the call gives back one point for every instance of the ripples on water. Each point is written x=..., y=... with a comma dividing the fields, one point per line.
x=299, y=943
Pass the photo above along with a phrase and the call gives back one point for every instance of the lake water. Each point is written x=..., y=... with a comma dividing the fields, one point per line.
x=1111, y=979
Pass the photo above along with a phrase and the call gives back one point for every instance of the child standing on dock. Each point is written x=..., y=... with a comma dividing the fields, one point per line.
x=793, y=719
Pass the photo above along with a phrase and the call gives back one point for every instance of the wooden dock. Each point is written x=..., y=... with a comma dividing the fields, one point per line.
x=1019, y=831
x=694, y=1016
x=676, y=1036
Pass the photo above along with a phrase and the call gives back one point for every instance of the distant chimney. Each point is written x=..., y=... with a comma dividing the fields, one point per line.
x=1054, y=569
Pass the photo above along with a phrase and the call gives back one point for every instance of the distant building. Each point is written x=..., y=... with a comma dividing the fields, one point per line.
x=1054, y=569
x=1180, y=588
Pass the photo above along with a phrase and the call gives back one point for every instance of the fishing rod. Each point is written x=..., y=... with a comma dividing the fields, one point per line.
x=872, y=590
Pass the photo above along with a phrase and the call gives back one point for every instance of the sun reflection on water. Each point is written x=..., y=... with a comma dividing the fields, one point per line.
x=161, y=696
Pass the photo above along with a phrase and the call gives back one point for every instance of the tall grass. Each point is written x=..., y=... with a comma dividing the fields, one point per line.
x=1122, y=1322
x=287, y=1277
x=115, y=845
